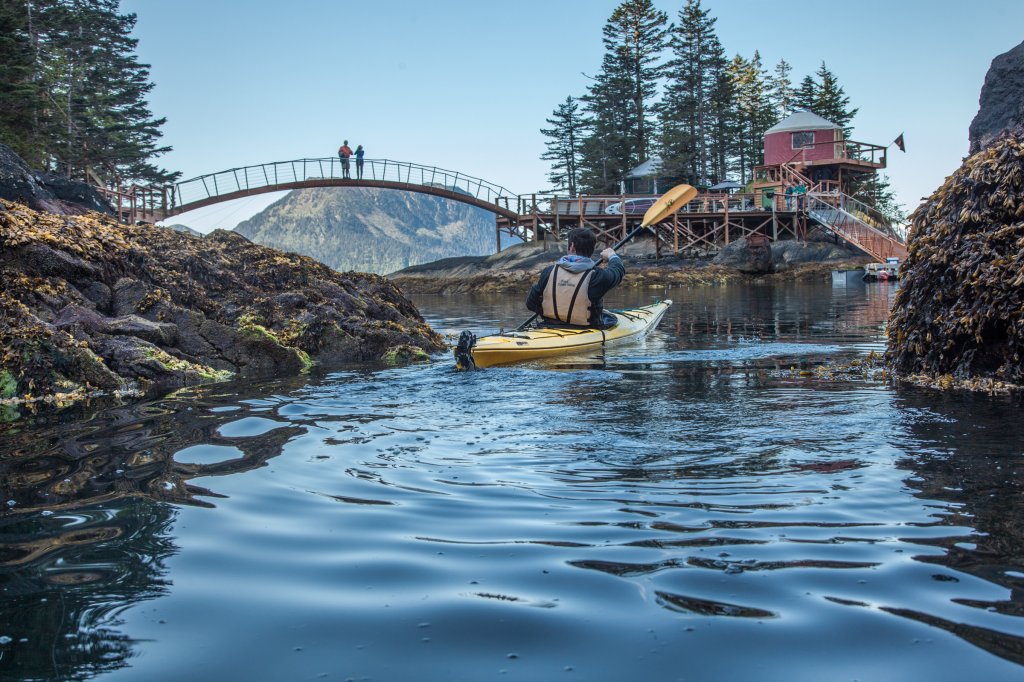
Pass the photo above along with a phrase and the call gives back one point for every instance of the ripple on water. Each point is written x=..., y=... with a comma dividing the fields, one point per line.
x=641, y=513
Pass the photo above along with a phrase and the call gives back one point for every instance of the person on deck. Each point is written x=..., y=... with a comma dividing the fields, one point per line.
x=344, y=152
x=572, y=290
x=801, y=194
x=359, y=161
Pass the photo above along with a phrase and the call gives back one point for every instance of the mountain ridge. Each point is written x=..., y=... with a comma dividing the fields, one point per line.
x=372, y=230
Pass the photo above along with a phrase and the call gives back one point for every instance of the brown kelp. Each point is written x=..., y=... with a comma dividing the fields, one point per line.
x=89, y=304
x=957, y=319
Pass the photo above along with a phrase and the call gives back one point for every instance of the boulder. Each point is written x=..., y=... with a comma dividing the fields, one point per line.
x=751, y=255
x=1001, y=105
x=957, y=318
x=46, y=191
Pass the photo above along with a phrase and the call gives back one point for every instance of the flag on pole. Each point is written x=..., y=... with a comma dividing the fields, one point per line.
x=899, y=143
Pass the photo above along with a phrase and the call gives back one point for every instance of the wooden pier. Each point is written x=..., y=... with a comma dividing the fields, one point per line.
x=700, y=228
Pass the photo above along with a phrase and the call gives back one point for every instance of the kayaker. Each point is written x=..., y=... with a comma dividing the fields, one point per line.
x=574, y=295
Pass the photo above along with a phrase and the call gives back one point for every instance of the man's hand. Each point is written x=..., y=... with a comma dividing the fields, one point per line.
x=607, y=254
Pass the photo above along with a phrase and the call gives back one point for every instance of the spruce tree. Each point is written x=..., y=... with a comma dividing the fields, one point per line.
x=617, y=102
x=565, y=146
x=18, y=91
x=806, y=95
x=782, y=95
x=831, y=102
x=687, y=111
x=88, y=115
x=875, y=190
x=723, y=134
x=753, y=112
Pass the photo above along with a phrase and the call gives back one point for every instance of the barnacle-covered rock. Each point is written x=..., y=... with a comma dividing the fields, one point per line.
x=89, y=304
x=959, y=314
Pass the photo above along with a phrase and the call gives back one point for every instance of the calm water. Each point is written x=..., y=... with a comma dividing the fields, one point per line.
x=688, y=507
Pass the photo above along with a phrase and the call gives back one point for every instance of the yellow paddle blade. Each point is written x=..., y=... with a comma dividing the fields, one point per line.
x=670, y=202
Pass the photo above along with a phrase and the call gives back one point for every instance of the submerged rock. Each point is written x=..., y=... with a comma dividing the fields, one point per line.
x=958, y=319
x=89, y=304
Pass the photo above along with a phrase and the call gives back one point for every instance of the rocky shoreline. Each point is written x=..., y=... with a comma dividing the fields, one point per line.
x=517, y=267
x=90, y=305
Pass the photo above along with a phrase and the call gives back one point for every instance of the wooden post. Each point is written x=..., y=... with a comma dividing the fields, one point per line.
x=726, y=202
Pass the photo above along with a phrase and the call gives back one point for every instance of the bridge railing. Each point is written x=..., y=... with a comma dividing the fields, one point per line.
x=249, y=178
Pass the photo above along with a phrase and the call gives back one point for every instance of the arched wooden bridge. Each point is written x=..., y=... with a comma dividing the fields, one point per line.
x=153, y=204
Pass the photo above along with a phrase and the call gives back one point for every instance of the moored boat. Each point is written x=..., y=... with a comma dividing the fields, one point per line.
x=546, y=340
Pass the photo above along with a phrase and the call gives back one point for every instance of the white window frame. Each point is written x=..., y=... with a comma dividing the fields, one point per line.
x=802, y=133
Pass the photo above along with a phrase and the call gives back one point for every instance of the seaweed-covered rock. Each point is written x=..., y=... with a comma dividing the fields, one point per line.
x=959, y=315
x=87, y=303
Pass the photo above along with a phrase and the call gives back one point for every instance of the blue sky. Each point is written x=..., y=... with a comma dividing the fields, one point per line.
x=466, y=86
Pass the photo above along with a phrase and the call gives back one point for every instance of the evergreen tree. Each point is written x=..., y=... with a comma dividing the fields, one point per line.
x=782, y=95
x=876, y=191
x=18, y=91
x=831, y=102
x=826, y=98
x=687, y=111
x=753, y=111
x=565, y=146
x=89, y=117
x=723, y=126
x=634, y=38
x=806, y=96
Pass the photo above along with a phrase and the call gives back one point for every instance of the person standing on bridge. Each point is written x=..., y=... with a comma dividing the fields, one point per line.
x=572, y=290
x=344, y=152
x=359, y=161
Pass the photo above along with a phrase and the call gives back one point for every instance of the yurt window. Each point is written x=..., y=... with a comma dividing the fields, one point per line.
x=804, y=140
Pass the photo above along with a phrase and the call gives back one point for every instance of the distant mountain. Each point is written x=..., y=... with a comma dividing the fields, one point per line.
x=372, y=230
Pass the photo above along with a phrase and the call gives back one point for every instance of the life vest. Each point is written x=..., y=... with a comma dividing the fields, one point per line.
x=566, y=296
x=345, y=151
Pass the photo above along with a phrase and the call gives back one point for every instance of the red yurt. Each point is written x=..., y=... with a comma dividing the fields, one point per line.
x=801, y=138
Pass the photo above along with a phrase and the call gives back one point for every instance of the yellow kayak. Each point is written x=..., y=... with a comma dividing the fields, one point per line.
x=543, y=340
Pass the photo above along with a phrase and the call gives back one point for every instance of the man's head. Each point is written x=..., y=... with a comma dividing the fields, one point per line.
x=582, y=241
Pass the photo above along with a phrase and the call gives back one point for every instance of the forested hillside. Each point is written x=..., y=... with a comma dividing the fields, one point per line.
x=372, y=230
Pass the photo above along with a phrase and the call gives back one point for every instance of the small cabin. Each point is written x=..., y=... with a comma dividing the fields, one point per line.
x=644, y=179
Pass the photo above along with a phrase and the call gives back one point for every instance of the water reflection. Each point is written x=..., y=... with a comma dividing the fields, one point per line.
x=130, y=450
x=88, y=512
x=65, y=579
x=966, y=463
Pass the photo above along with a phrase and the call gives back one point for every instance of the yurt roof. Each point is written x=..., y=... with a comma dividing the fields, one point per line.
x=802, y=120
